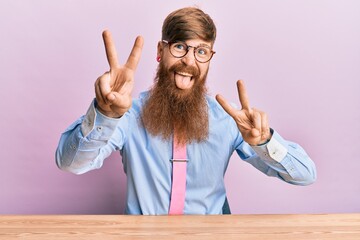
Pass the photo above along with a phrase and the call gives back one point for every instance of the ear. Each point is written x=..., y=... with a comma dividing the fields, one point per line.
x=160, y=48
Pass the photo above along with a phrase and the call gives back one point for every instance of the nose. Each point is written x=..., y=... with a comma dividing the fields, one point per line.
x=189, y=58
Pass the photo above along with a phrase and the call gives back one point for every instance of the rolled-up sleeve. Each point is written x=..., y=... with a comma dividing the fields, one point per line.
x=283, y=159
x=88, y=141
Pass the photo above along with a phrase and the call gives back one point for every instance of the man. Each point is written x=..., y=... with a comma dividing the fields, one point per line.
x=176, y=112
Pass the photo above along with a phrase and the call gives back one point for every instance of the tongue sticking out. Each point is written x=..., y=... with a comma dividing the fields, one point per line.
x=183, y=82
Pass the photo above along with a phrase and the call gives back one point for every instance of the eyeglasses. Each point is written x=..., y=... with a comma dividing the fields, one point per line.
x=202, y=53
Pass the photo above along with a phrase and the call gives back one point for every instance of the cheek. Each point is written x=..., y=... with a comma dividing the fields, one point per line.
x=168, y=60
x=203, y=69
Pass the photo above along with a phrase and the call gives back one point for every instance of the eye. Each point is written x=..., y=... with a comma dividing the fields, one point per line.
x=179, y=47
x=202, y=51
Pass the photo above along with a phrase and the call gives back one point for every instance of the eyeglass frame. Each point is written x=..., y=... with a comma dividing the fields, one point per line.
x=187, y=50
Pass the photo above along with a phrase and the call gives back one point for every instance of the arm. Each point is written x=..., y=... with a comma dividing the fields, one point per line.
x=264, y=148
x=280, y=158
x=92, y=138
x=89, y=140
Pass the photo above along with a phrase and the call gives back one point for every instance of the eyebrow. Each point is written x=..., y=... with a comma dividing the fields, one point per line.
x=203, y=45
x=200, y=45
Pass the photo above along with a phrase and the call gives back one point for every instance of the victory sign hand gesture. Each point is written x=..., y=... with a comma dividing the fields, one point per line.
x=113, y=89
x=252, y=123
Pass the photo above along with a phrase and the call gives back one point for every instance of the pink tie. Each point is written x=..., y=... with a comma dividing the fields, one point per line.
x=179, y=161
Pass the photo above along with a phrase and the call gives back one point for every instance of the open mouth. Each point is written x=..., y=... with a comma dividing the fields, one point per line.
x=184, y=74
x=183, y=80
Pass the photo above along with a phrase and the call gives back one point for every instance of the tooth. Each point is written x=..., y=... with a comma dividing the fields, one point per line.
x=185, y=74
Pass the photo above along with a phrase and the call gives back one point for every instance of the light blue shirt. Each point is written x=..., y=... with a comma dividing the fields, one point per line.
x=146, y=158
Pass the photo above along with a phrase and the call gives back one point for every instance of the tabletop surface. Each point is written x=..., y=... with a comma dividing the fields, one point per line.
x=282, y=226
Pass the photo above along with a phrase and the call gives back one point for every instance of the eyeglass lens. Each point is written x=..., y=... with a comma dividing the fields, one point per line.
x=180, y=49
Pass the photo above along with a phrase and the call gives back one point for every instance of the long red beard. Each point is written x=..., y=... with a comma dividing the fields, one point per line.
x=169, y=108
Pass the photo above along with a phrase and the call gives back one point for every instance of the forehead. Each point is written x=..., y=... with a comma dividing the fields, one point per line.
x=198, y=42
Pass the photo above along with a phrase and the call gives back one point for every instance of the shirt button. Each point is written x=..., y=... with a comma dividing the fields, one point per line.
x=99, y=128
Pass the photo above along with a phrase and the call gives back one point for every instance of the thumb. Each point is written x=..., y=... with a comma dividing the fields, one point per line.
x=255, y=132
x=111, y=97
x=119, y=101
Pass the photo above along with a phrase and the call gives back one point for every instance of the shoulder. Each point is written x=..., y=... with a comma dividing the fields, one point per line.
x=138, y=103
x=222, y=123
x=215, y=109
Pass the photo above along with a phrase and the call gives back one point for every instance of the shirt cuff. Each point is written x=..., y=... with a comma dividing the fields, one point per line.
x=96, y=124
x=275, y=149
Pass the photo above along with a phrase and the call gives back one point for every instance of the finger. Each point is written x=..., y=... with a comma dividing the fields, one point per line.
x=225, y=105
x=104, y=85
x=110, y=49
x=243, y=95
x=135, y=54
x=99, y=97
x=119, y=103
x=256, y=131
x=265, y=130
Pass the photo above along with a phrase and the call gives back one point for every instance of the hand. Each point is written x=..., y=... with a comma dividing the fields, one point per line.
x=252, y=123
x=113, y=89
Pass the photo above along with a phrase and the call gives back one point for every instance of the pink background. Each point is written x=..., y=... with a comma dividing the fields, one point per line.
x=300, y=61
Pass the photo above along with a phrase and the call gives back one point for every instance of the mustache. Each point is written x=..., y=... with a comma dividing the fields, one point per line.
x=181, y=67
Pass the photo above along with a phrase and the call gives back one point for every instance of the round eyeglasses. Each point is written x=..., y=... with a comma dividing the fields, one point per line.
x=202, y=53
